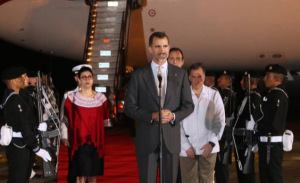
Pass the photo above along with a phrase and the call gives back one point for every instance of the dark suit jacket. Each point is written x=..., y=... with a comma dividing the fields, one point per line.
x=142, y=100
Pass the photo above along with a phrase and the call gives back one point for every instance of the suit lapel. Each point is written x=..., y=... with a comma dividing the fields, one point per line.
x=149, y=82
x=171, y=85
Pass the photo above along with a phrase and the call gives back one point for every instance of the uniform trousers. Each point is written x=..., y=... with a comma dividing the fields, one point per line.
x=272, y=172
x=243, y=178
x=20, y=161
x=198, y=169
x=221, y=170
x=148, y=166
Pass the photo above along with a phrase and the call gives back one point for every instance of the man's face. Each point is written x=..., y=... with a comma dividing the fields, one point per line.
x=269, y=80
x=223, y=81
x=244, y=83
x=209, y=81
x=175, y=58
x=22, y=81
x=159, y=49
x=197, y=78
x=32, y=81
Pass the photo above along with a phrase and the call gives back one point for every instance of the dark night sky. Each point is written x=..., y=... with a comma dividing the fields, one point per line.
x=59, y=68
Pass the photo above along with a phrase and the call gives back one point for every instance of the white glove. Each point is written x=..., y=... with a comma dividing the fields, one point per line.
x=42, y=127
x=44, y=154
x=45, y=116
x=48, y=106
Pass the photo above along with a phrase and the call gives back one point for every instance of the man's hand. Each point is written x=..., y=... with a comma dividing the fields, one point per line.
x=42, y=127
x=44, y=154
x=190, y=153
x=166, y=116
x=207, y=148
x=155, y=116
x=65, y=142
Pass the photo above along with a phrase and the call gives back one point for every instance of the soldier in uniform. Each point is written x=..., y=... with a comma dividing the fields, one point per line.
x=272, y=125
x=210, y=80
x=28, y=94
x=243, y=128
x=224, y=156
x=24, y=143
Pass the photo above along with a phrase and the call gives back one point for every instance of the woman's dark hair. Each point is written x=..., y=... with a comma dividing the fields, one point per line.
x=83, y=69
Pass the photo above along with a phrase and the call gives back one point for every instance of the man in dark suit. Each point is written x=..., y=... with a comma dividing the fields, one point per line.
x=142, y=104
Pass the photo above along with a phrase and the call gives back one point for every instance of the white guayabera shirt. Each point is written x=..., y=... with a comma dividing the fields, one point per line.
x=205, y=124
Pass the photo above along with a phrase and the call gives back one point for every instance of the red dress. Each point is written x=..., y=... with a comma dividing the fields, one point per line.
x=87, y=117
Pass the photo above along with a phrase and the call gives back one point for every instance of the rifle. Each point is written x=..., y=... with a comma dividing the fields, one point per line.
x=228, y=129
x=249, y=164
x=52, y=123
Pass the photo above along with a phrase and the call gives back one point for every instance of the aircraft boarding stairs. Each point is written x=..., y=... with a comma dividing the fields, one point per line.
x=105, y=43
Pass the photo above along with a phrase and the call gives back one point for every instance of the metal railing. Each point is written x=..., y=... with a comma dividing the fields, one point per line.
x=89, y=28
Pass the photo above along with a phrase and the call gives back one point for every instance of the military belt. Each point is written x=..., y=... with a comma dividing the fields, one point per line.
x=17, y=135
x=273, y=139
x=240, y=132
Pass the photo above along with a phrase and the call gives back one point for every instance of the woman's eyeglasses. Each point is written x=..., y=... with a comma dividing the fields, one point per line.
x=86, y=77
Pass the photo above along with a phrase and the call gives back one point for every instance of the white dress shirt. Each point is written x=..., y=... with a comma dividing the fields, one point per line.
x=164, y=72
x=205, y=124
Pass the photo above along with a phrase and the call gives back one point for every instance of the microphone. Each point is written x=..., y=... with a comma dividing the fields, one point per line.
x=159, y=77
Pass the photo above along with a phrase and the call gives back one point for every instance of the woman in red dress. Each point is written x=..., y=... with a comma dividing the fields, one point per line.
x=87, y=112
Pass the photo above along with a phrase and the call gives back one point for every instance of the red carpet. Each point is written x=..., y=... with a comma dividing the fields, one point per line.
x=120, y=164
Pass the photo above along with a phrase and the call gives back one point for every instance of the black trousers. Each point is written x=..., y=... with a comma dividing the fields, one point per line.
x=243, y=178
x=20, y=161
x=148, y=166
x=272, y=172
x=221, y=170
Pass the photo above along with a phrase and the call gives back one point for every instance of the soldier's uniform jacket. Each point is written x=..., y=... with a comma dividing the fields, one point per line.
x=15, y=114
x=275, y=107
x=256, y=110
x=229, y=98
x=28, y=95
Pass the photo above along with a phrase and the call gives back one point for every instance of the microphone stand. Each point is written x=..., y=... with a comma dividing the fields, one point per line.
x=159, y=77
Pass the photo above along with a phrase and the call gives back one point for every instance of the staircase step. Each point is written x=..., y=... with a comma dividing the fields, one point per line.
x=103, y=65
x=102, y=46
x=104, y=53
x=109, y=71
x=109, y=14
x=109, y=30
x=104, y=4
x=109, y=35
x=103, y=59
x=105, y=41
x=114, y=18
x=108, y=25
